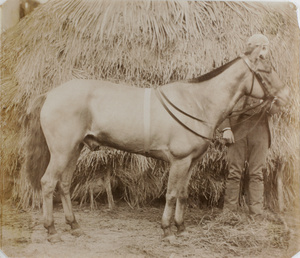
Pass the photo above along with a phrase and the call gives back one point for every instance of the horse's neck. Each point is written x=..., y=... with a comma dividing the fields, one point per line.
x=218, y=95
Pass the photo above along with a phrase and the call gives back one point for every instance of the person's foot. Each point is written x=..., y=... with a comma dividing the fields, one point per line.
x=230, y=208
x=267, y=216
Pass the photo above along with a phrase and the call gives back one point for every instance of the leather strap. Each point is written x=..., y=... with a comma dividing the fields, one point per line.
x=178, y=109
x=158, y=94
x=248, y=62
x=244, y=110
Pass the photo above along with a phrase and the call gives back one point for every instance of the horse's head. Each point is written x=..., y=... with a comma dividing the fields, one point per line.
x=266, y=83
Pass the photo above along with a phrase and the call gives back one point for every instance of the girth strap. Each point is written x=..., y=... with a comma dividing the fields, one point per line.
x=147, y=97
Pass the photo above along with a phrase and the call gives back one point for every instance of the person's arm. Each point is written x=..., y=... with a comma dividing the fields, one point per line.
x=225, y=126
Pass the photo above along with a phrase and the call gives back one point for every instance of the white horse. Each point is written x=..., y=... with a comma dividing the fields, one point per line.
x=150, y=122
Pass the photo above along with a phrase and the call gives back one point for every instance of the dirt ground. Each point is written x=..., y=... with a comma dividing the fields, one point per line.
x=122, y=232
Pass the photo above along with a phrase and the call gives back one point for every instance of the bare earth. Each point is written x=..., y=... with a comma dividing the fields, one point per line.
x=123, y=232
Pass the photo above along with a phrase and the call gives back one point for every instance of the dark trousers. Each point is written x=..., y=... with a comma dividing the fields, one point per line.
x=251, y=145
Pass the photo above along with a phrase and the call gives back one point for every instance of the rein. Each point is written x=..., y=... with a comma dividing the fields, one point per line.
x=178, y=109
x=243, y=111
x=161, y=97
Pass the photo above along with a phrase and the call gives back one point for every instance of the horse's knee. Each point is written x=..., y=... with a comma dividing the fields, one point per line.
x=182, y=200
x=171, y=199
x=48, y=187
x=64, y=188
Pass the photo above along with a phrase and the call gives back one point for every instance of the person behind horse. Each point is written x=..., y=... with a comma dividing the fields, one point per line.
x=248, y=136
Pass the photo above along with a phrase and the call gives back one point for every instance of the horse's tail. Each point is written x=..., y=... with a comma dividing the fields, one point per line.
x=37, y=155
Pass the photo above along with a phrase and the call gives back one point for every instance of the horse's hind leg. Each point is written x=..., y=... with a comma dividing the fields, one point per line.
x=49, y=182
x=64, y=185
x=60, y=167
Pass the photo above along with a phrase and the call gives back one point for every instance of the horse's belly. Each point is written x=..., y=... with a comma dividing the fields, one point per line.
x=117, y=120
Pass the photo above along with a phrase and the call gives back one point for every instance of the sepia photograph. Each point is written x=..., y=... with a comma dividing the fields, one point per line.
x=149, y=128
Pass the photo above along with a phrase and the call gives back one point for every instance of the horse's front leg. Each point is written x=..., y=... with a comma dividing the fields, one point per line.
x=176, y=194
x=181, y=202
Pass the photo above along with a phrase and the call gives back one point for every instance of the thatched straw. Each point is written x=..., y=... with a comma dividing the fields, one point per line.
x=144, y=43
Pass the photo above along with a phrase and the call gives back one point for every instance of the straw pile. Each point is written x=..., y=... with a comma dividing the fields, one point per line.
x=144, y=43
x=239, y=235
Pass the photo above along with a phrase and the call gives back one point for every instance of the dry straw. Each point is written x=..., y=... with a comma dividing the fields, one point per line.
x=143, y=43
x=239, y=235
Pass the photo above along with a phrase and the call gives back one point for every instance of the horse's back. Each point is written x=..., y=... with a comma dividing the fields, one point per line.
x=112, y=113
x=81, y=93
x=83, y=88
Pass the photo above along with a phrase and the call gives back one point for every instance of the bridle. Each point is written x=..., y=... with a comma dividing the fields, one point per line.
x=256, y=74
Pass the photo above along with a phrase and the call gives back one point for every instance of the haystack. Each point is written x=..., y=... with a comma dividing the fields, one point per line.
x=145, y=44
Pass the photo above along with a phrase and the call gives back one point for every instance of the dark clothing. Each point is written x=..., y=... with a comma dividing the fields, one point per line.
x=252, y=140
x=239, y=124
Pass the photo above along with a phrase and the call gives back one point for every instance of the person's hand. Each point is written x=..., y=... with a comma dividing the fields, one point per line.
x=228, y=136
x=273, y=109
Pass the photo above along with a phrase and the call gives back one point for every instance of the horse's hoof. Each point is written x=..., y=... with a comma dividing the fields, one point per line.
x=169, y=239
x=77, y=232
x=54, y=238
x=182, y=233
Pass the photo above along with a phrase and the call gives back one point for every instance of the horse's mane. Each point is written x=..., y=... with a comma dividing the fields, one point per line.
x=213, y=73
